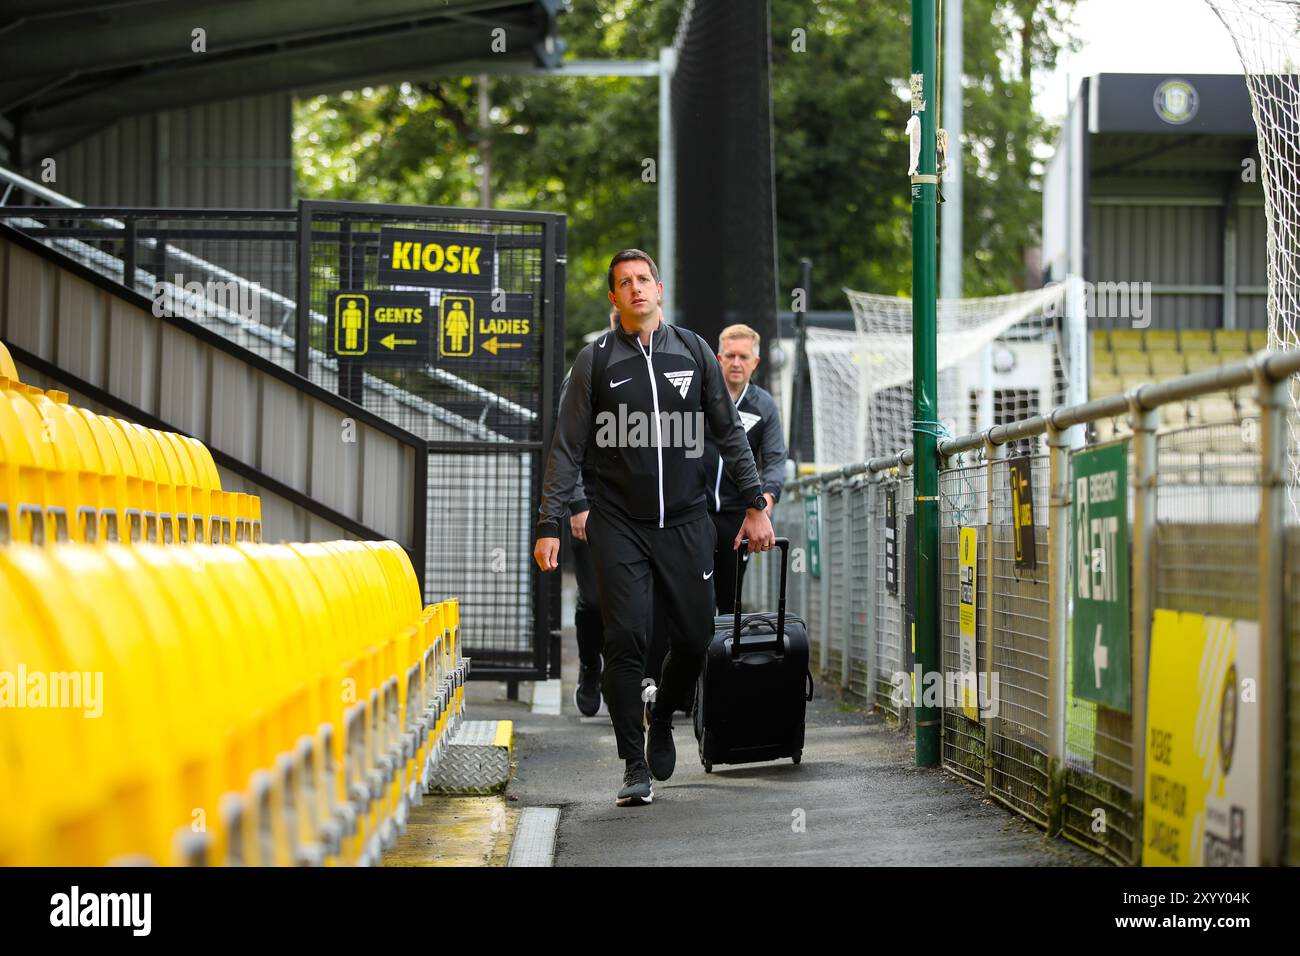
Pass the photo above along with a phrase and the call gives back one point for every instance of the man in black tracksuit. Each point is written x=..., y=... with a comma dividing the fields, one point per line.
x=644, y=396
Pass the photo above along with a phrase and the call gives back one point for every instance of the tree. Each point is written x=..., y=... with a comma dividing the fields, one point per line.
x=578, y=146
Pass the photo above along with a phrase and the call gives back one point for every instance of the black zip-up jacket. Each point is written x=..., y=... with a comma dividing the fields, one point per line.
x=643, y=414
x=762, y=422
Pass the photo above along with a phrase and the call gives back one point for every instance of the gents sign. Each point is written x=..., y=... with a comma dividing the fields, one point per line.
x=1101, y=616
x=383, y=328
x=444, y=260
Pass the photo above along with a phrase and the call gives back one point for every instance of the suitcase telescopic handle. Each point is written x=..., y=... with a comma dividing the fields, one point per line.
x=784, y=545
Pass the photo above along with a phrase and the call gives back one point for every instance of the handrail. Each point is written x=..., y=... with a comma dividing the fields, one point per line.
x=266, y=295
x=1270, y=366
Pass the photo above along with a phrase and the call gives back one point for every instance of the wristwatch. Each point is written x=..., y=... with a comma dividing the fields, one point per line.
x=759, y=503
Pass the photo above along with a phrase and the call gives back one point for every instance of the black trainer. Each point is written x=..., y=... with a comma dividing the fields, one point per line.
x=660, y=751
x=586, y=696
x=637, y=790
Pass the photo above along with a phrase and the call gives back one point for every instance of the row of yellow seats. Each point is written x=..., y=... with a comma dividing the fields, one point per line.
x=1233, y=344
x=68, y=474
x=243, y=705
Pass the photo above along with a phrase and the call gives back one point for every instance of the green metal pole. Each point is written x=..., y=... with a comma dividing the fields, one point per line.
x=925, y=405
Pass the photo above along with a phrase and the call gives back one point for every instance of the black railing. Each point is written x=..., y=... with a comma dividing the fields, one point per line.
x=263, y=279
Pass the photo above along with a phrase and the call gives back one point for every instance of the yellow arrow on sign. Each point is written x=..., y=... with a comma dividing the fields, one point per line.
x=492, y=345
x=391, y=341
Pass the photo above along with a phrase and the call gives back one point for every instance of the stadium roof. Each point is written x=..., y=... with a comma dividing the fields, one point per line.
x=68, y=67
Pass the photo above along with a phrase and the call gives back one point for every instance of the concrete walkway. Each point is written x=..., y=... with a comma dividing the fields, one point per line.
x=857, y=798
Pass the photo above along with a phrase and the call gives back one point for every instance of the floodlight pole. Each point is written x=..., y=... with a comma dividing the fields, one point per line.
x=925, y=405
x=667, y=182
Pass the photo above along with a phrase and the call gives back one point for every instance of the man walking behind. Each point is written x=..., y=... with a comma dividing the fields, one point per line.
x=644, y=394
x=738, y=347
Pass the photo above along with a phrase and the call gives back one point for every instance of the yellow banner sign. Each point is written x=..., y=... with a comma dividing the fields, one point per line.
x=1202, y=753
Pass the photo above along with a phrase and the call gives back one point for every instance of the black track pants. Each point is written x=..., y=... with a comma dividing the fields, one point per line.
x=633, y=563
x=586, y=612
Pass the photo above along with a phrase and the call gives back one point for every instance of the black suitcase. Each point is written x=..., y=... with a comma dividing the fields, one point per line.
x=754, y=684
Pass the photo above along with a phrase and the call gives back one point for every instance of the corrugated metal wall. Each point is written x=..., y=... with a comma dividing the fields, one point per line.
x=236, y=154
x=168, y=372
x=1179, y=245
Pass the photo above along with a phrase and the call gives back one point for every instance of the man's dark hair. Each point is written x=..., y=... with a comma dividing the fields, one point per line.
x=627, y=255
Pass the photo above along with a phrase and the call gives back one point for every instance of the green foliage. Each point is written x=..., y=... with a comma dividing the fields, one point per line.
x=579, y=146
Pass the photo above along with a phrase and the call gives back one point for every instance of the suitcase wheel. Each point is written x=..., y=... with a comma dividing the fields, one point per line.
x=797, y=756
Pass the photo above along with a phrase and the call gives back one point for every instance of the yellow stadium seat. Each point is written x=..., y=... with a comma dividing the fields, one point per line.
x=1128, y=362
x=105, y=788
x=142, y=491
x=403, y=588
x=1234, y=342
x=24, y=814
x=1127, y=340
x=14, y=457
x=7, y=367
x=177, y=527
x=189, y=495
x=1168, y=364
x=214, y=679
x=1104, y=385
x=1200, y=360
x=1197, y=340
x=302, y=707
x=39, y=518
x=75, y=484
x=1160, y=340
x=262, y=824
x=1134, y=380
x=163, y=531
x=342, y=826
x=95, y=489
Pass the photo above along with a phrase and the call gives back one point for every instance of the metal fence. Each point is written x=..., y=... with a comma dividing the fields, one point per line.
x=262, y=279
x=1209, y=534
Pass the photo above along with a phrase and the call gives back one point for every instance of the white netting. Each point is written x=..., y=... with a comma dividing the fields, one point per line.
x=862, y=380
x=1267, y=36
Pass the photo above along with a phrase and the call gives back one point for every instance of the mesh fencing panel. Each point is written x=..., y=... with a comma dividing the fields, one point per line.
x=834, y=562
x=863, y=531
x=1020, y=648
x=815, y=591
x=963, y=503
